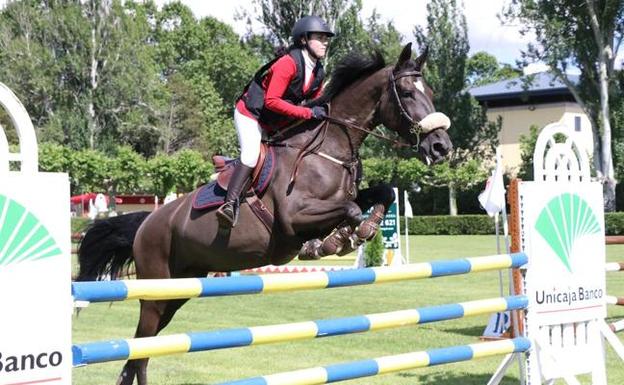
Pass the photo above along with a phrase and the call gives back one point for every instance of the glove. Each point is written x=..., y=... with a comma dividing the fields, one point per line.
x=319, y=113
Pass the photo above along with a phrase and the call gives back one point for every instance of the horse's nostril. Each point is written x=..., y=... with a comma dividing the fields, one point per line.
x=440, y=148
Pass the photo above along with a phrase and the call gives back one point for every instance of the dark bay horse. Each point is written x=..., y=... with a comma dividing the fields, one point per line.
x=177, y=241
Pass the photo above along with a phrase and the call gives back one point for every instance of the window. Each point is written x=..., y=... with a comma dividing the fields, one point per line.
x=577, y=123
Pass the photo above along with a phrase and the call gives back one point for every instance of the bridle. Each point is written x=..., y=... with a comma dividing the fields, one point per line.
x=416, y=128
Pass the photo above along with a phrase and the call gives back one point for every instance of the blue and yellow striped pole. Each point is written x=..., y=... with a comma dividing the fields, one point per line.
x=389, y=364
x=124, y=349
x=163, y=289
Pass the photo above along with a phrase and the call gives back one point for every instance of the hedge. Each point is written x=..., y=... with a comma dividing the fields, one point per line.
x=614, y=223
x=450, y=225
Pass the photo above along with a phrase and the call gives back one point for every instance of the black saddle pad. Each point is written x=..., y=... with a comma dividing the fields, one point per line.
x=212, y=195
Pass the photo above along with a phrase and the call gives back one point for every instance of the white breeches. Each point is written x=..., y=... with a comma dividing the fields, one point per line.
x=249, y=138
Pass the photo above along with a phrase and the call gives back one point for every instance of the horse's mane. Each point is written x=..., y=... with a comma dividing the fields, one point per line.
x=350, y=69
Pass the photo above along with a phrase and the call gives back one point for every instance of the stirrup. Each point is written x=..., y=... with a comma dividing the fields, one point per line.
x=227, y=214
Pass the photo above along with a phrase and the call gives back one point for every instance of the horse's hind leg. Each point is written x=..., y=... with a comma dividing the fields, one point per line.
x=155, y=315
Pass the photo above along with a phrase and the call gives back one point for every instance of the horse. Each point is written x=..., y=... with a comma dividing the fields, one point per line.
x=313, y=193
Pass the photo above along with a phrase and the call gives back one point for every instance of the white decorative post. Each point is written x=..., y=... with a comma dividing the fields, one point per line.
x=35, y=261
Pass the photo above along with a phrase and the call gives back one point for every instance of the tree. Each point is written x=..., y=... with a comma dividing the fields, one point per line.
x=279, y=16
x=446, y=71
x=459, y=177
x=83, y=69
x=616, y=100
x=89, y=171
x=54, y=157
x=374, y=250
x=183, y=122
x=343, y=17
x=371, y=35
x=190, y=170
x=205, y=68
x=527, y=148
x=127, y=168
x=162, y=174
x=587, y=35
x=483, y=68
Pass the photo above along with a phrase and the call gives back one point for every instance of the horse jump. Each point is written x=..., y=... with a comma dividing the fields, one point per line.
x=134, y=348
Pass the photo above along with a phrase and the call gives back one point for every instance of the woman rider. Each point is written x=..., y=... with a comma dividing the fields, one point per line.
x=274, y=100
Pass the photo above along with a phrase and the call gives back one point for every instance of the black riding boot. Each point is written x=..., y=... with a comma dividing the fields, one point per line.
x=228, y=212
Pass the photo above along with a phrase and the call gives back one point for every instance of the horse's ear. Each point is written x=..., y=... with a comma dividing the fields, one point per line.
x=422, y=59
x=406, y=55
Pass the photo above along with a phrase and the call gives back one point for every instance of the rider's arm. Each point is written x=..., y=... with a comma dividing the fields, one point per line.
x=278, y=78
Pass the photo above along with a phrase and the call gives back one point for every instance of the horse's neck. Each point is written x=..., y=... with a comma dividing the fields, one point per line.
x=356, y=105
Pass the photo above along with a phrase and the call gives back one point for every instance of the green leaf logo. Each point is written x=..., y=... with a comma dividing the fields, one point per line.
x=563, y=221
x=22, y=236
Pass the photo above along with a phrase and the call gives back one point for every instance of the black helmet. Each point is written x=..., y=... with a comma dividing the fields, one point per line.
x=309, y=24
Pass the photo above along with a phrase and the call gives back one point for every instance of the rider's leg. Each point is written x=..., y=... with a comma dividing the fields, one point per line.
x=249, y=137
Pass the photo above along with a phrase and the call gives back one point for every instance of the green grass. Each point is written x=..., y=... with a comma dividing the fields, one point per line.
x=104, y=321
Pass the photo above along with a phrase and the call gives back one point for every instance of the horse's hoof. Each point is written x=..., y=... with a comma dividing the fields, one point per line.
x=366, y=230
x=348, y=247
x=335, y=242
x=309, y=250
x=124, y=379
x=331, y=247
x=355, y=242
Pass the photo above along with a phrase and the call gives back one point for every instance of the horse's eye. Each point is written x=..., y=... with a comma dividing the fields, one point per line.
x=407, y=94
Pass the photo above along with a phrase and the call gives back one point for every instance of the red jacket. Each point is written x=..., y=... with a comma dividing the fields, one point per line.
x=275, y=84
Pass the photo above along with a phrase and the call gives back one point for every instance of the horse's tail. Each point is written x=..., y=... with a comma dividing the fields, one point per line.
x=107, y=246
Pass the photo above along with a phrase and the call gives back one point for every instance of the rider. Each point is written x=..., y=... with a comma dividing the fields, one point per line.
x=274, y=100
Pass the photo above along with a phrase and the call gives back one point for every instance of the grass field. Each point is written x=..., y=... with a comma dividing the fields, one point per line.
x=106, y=321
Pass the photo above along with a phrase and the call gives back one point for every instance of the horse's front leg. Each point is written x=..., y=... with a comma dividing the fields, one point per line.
x=380, y=197
x=346, y=238
x=314, y=214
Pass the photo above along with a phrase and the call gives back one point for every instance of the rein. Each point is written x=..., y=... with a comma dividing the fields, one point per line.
x=342, y=122
x=321, y=131
x=309, y=148
x=313, y=148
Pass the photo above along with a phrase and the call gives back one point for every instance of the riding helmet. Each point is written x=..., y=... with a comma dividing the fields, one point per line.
x=309, y=24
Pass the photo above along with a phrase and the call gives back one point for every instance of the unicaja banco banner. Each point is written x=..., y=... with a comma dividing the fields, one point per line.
x=563, y=232
x=35, y=272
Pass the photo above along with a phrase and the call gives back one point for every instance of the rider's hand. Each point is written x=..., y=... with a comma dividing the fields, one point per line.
x=318, y=113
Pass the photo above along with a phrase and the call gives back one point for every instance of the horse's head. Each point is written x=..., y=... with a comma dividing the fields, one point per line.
x=406, y=107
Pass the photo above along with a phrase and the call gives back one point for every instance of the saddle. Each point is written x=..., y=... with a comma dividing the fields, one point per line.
x=224, y=167
x=213, y=194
